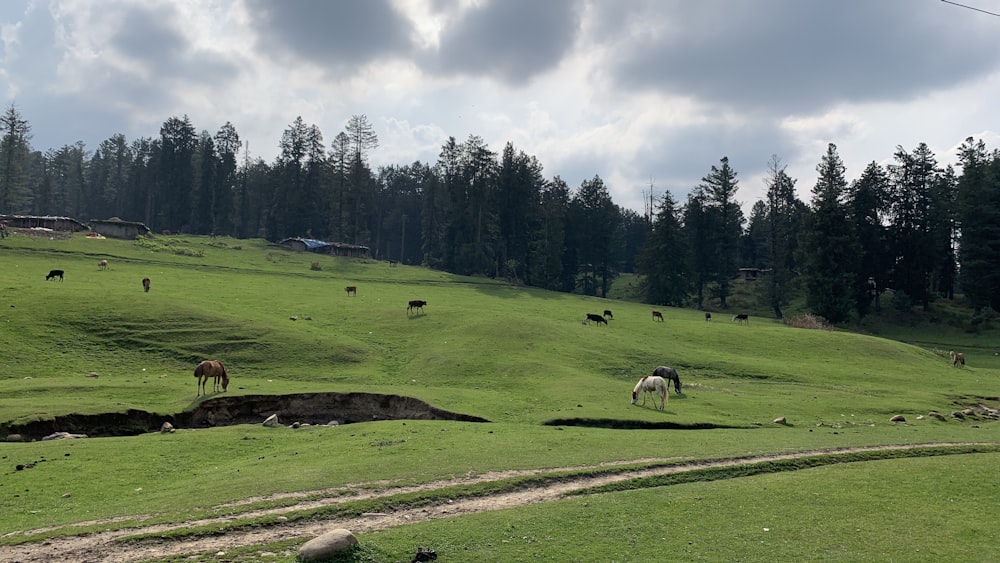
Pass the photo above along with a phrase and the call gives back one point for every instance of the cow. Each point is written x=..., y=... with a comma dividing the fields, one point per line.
x=708, y=316
x=658, y=316
x=145, y=284
x=54, y=274
x=742, y=318
x=414, y=305
x=596, y=318
x=351, y=290
x=608, y=315
x=102, y=265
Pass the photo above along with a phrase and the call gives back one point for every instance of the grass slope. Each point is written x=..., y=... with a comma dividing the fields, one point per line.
x=517, y=356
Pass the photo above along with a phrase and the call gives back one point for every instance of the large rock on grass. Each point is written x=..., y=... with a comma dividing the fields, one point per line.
x=327, y=545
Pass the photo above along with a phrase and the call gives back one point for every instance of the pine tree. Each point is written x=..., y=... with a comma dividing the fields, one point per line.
x=828, y=248
x=663, y=261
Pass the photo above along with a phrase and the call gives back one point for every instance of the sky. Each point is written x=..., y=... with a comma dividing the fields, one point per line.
x=646, y=94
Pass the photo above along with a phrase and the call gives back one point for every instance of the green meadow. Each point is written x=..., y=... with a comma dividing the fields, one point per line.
x=555, y=390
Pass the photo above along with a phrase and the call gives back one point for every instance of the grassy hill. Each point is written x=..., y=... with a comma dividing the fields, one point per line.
x=556, y=390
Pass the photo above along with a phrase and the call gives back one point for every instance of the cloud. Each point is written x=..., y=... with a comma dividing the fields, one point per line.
x=510, y=41
x=780, y=57
x=340, y=36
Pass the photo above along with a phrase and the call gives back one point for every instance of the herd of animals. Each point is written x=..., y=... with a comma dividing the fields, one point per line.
x=656, y=384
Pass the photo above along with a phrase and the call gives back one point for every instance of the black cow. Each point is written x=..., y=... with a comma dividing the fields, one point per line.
x=416, y=304
x=742, y=318
x=596, y=318
x=608, y=315
x=54, y=274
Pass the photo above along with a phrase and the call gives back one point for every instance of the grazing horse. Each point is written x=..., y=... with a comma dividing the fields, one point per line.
x=596, y=318
x=669, y=374
x=741, y=318
x=414, y=305
x=957, y=359
x=351, y=290
x=658, y=315
x=54, y=274
x=708, y=316
x=102, y=265
x=215, y=370
x=145, y=284
x=651, y=384
x=608, y=315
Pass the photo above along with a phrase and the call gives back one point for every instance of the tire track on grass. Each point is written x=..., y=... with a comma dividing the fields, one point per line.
x=110, y=545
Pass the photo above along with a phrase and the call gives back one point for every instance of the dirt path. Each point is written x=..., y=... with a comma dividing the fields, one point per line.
x=102, y=546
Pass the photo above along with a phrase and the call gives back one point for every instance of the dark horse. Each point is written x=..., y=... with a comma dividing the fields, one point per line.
x=213, y=369
x=669, y=374
x=54, y=274
x=596, y=318
x=414, y=305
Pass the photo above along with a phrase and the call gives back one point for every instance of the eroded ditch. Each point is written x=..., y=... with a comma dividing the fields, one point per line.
x=306, y=408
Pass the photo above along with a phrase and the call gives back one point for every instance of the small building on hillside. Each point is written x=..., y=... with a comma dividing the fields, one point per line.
x=349, y=250
x=65, y=224
x=304, y=244
x=752, y=274
x=116, y=228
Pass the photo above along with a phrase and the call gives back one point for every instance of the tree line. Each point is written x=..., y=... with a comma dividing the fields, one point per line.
x=912, y=226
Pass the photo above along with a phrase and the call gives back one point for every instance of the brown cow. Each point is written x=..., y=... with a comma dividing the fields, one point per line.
x=102, y=265
x=351, y=290
x=658, y=315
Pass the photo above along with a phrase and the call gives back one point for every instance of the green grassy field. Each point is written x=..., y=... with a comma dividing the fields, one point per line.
x=553, y=388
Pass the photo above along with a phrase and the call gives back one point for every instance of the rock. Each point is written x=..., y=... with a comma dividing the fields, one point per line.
x=92, y=374
x=780, y=420
x=958, y=415
x=14, y=438
x=167, y=428
x=333, y=423
x=935, y=414
x=424, y=555
x=272, y=421
x=898, y=418
x=293, y=318
x=327, y=545
x=63, y=436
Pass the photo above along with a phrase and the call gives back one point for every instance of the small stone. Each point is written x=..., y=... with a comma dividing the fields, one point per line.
x=780, y=420
x=898, y=418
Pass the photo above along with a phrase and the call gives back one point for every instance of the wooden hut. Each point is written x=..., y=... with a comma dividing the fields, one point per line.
x=116, y=228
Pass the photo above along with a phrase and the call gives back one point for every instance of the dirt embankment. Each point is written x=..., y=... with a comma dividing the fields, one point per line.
x=306, y=408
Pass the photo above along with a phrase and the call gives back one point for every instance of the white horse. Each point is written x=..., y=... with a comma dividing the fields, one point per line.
x=651, y=384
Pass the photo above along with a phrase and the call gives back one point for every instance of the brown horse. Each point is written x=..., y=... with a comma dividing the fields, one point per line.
x=215, y=370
